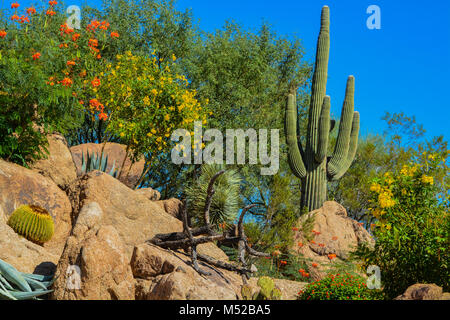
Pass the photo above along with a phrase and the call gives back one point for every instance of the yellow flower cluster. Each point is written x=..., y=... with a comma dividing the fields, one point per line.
x=148, y=101
x=408, y=171
x=385, y=196
x=385, y=199
x=427, y=179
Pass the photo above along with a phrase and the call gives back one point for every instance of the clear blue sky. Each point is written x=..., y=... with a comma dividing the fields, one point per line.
x=402, y=67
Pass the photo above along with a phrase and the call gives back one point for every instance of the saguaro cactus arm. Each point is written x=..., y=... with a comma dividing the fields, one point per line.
x=351, y=150
x=324, y=130
x=341, y=150
x=295, y=154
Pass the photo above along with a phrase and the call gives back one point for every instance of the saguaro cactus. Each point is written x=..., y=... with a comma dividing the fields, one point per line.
x=312, y=164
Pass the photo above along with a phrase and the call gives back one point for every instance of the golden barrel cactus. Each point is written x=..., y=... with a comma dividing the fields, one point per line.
x=32, y=222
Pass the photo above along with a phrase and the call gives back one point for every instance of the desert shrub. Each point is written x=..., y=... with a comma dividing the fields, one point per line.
x=145, y=101
x=45, y=67
x=284, y=266
x=412, y=226
x=337, y=287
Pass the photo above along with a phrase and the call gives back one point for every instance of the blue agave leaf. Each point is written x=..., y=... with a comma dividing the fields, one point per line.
x=29, y=295
x=14, y=276
x=5, y=295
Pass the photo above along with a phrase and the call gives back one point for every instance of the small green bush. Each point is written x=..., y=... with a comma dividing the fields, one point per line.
x=338, y=287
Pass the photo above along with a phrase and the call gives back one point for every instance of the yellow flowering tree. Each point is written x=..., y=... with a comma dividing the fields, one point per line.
x=412, y=226
x=145, y=100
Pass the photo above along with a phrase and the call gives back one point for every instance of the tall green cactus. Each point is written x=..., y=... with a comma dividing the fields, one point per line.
x=312, y=165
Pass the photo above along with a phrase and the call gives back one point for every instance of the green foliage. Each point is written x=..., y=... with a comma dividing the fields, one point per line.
x=225, y=201
x=277, y=213
x=40, y=80
x=290, y=266
x=97, y=161
x=337, y=287
x=15, y=285
x=32, y=222
x=267, y=290
x=312, y=164
x=412, y=227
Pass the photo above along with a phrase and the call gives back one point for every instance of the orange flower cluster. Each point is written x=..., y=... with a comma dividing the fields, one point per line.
x=283, y=262
x=114, y=34
x=314, y=265
x=36, y=56
x=67, y=82
x=2, y=34
x=65, y=29
x=20, y=19
x=294, y=229
x=331, y=256
x=31, y=10
x=300, y=244
x=303, y=273
x=334, y=238
x=99, y=107
x=71, y=63
x=15, y=5
x=52, y=3
x=50, y=12
x=316, y=232
x=96, y=82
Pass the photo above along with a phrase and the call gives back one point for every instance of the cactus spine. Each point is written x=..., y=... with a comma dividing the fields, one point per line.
x=32, y=222
x=311, y=164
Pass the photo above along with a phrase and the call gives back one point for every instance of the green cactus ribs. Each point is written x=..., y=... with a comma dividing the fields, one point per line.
x=32, y=222
x=312, y=164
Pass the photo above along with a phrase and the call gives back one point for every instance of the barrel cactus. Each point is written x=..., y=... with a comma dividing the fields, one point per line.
x=225, y=201
x=312, y=164
x=32, y=222
x=268, y=290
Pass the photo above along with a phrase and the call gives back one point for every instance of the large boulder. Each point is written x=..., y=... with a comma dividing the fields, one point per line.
x=328, y=235
x=168, y=275
x=59, y=165
x=135, y=217
x=172, y=206
x=150, y=193
x=164, y=275
x=94, y=264
x=116, y=153
x=19, y=186
x=421, y=291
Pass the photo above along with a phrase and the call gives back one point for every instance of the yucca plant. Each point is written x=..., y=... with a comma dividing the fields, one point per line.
x=96, y=161
x=225, y=201
x=16, y=285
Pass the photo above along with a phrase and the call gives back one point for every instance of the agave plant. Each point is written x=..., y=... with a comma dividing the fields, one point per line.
x=16, y=285
x=96, y=161
x=225, y=201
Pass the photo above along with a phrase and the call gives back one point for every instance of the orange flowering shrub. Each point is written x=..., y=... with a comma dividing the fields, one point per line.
x=338, y=287
x=46, y=69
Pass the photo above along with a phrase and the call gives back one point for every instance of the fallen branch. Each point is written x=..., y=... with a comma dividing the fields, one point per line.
x=189, y=239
